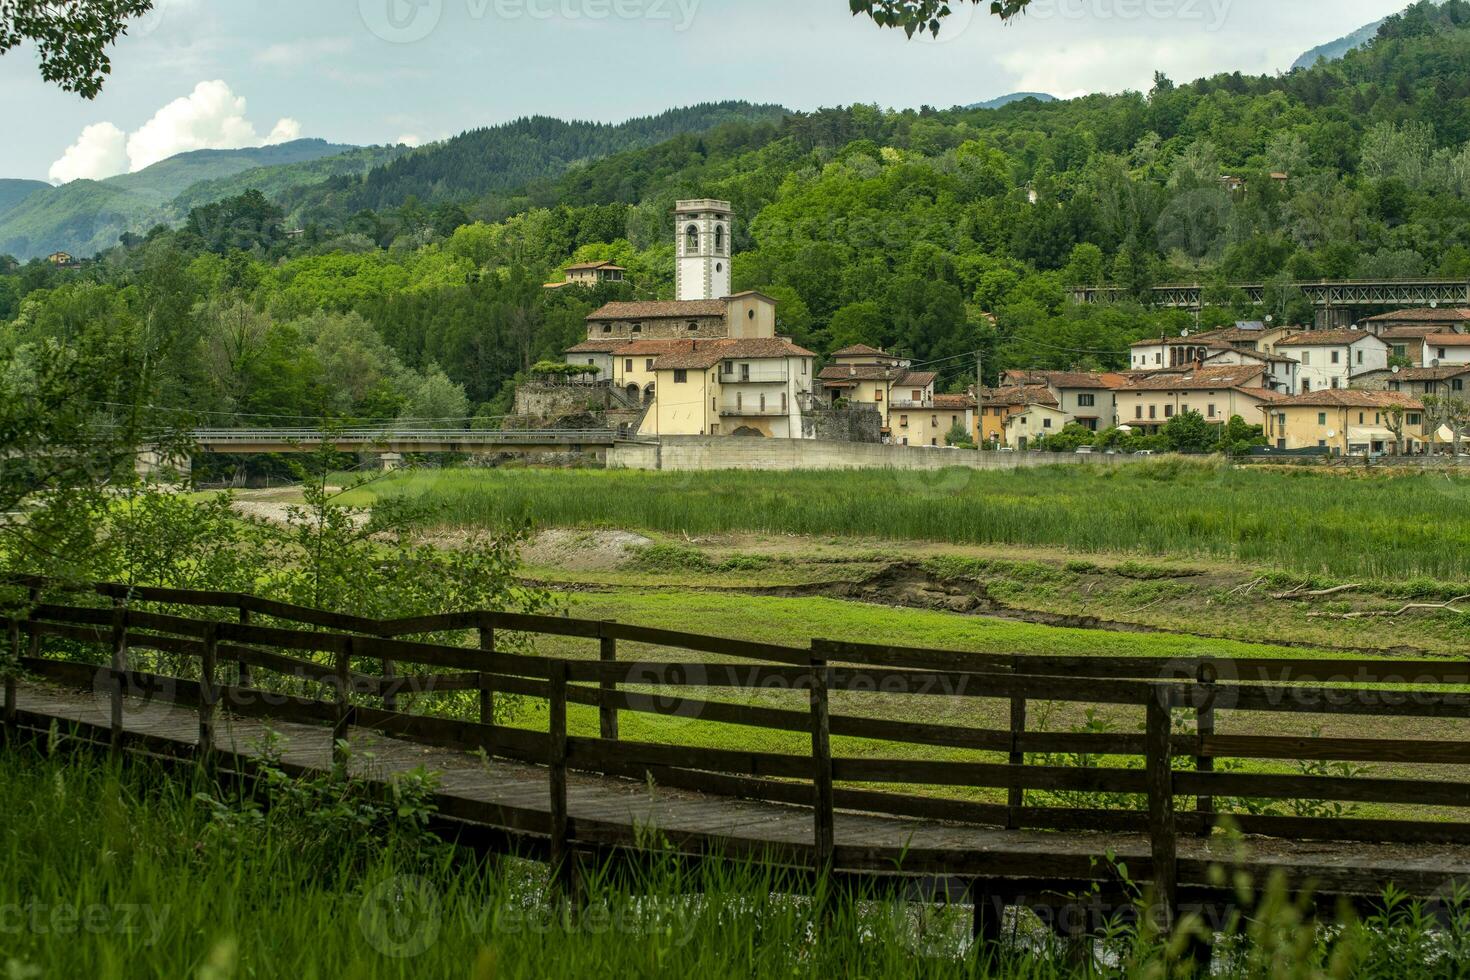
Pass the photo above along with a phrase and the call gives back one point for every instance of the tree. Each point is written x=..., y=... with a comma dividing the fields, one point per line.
x=1188, y=432
x=918, y=16
x=1237, y=438
x=72, y=37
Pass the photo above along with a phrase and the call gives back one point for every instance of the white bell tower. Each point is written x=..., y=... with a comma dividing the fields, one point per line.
x=702, y=244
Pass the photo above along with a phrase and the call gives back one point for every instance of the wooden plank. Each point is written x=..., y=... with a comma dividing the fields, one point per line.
x=824, y=837
x=1292, y=747
x=593, y=754
x=561, y=863
x=486, y=682
x=242, y=667
x=607, y=715
x=1358, y=789
x=307, y=615
x=285, y=639
x=1016, y=795
x=12, y=671
x=1204, y=760
x=1342, y=701
x=208, y=696
x=923, y=772
x=745, y=649
x=119, y=667
x=1162, y=831
x=342, y=692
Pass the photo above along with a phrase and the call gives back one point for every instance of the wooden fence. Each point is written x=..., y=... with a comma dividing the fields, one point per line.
x=234, y=650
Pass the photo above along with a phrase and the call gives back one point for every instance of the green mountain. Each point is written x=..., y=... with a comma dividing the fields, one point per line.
x=86, y=216
x=13, y=192
x=513, y=155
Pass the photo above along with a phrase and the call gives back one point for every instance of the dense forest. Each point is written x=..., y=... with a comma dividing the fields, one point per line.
x=413, y=291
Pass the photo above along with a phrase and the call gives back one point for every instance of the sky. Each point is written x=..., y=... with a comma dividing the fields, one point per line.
x=199, y=74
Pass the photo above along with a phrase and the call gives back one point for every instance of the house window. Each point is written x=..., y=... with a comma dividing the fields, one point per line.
x=1212, y=411
x=607, y=328
x=1138, y=411
x=1412, y=419
x=1046, y=423
x=763, y=403
x=1441, y=353
x=1306, y=358
x=918, y=396
x=1168, y=411
x=1336, y=382
x=783, y=402
x=628, y=365
x=934, y=421
x=805, y=367
x=1153, y=411
x=739, y=401
x=1457, y=385
x=637, y=328
x=719, y=239
x=903, y=421
x=648, y=364
x=1337, y=357
x=691, y=240
x=1400, y=350
x=1321, y=418
x=1086, y=401
x=681, y=377
x=1306, y=385
x=693, y=327
x=1360, y=357
x=878, y=395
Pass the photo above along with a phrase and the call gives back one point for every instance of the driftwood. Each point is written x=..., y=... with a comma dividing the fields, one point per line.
x=1390, y=613
x=1302, y=593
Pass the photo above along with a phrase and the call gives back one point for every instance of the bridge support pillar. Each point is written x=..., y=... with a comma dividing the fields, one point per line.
x=391, y=461
x=154, y=465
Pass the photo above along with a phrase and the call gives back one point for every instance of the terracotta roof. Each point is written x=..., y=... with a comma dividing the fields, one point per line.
x=1197, y=340
x=1197, y=379
x=657, y=348
x=858, y=372
x=1441, y=373
x=1447, y=340
x=580, y=266
x=1254, y=355
x=1324, y=338
x=1058, y=379
x=701, y=354
x=1449, y=315
x=953, y=401
x=922, y=379
x=860, y=350
x=1418, y=332
x=1350, y=398
x=597, y=347
x=1264, y=394
x=1020, y=395
x=673, y=310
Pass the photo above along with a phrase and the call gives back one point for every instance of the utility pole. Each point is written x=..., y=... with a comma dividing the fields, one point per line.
x=979, y=399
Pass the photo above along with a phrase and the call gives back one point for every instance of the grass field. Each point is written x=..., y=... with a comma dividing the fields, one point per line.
x=1378, y=527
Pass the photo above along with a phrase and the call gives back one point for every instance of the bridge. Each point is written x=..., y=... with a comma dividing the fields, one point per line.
x=1344, y=298
x=400, y=440
x=1007, y=814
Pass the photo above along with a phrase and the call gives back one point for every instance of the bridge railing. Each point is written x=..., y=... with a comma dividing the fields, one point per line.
x=382, y=435
x=1176, y=774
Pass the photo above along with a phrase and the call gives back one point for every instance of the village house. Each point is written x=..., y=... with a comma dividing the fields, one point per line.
x=1088, y=397
x=1347, y=422
x=1452, y=380
x=1146, y=404
x=590, y=274
x=1033, y=421
x=863, y=375
x=1446, y=348
x=1172, y=352
x=1330, y=358
x=1434, y=319
x=997, y=405
x=739, y=387
x=1281, y=372
x=931, y=426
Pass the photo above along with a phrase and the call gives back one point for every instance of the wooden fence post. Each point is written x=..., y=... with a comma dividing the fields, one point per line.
x=119, y=669
x=487, y=690
x=608, y=712
x=562, y=872
x=1203, y=761
x=208, y=694
x=242, y=668
x=1161, y=821
x=823, y=831
x=12, y=674
x=1016, y=796
x=343, y=722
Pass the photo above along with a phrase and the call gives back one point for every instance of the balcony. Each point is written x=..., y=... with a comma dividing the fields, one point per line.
x=910, y=403
x=755, y=376
x=752, y=409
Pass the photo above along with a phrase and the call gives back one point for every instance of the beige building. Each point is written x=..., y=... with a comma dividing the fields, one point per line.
x=931, y=426
x=999, y=404
x=1281, y=372
x=1451, y=380
x=1175, y=352
x=1347, y=422
x=864, y=375
x=1032, y=422
x=1147, y=403
x=1446, y=348
x=590, y=274
x=1089, y=397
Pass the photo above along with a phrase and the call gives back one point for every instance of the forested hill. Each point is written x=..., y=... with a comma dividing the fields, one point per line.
x=512, y=155
x=934, y=232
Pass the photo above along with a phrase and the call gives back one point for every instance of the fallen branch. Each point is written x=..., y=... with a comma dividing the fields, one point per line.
x=1246, y=589
x=1300, y=593
x=1389, y=613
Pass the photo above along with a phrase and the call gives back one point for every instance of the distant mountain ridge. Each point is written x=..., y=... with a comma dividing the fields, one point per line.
x=87, y=216
x=14, y=191
x=1005, y=100
x=1333, y=50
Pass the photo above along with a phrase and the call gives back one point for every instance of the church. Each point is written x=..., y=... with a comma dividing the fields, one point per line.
x=710, y=362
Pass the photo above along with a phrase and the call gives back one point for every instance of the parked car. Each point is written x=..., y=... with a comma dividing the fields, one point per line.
x=1085, y=450
x=1144, y=452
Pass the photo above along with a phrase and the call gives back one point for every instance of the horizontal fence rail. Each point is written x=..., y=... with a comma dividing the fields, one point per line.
x=255, y=657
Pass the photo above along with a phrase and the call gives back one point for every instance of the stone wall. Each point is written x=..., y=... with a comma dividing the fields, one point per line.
x=543, y=401
x=675, y=453
x=856, y=423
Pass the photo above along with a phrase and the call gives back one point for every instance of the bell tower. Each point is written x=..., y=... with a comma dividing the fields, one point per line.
x=702, y=243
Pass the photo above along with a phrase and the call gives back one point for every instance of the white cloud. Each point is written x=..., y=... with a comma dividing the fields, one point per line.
x=212, y=117
x=410, y=139
x=296, y=54
x=101, y=151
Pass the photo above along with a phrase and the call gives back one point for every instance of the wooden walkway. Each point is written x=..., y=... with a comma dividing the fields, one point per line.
x=206, y=676
x=512, y=796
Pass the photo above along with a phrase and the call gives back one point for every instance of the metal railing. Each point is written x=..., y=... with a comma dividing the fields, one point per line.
x=396, y=436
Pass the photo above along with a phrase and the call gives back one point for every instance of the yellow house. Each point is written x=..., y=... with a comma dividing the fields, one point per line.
x=998, y=405
x=1349, y=422
x=864, y=375
x=750, y=387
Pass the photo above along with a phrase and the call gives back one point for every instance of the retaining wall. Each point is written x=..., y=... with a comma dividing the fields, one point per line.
x=676, y=453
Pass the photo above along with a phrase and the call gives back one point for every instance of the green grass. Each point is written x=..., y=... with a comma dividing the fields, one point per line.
x=1308, y=521
x=125, y=870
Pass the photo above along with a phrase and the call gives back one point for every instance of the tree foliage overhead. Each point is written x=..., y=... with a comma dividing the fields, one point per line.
x=71, y=36
x=927, y=16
